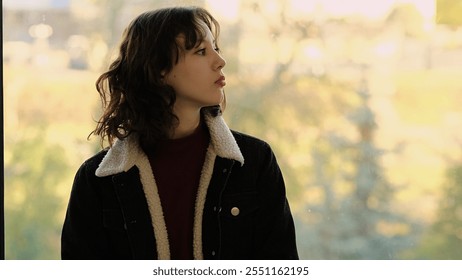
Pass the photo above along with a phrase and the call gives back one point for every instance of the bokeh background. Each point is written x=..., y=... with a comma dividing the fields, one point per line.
x=360, y=100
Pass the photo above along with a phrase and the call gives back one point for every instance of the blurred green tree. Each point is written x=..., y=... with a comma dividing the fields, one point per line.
x=33, y=208
x=443, y=240
x=355, y=220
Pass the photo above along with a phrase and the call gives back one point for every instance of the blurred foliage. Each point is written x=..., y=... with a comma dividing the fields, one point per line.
x=289, y=115
x=449, y=12
x=354, y=219
x=408, y=18
x=443, y=240
x=433, y=92
x=34, y=170
x=47, y=119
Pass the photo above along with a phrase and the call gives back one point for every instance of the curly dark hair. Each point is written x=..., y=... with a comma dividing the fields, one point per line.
x=133, y=95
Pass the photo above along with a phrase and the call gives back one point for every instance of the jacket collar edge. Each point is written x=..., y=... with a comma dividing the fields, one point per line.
x=124, y=154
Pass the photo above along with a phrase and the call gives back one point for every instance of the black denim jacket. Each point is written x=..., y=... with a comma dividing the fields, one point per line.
x=245, y=215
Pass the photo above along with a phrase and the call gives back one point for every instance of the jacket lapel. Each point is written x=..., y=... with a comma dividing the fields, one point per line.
x=125, y=154
x=222, y=139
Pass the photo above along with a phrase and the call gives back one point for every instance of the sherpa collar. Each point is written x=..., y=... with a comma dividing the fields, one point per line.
x=124, y=154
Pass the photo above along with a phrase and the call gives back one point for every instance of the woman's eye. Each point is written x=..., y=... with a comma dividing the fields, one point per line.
x=201, y=51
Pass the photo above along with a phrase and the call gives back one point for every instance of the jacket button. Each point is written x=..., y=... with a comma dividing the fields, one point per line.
x=225, y=170
x=213, y=253
x=235, y=211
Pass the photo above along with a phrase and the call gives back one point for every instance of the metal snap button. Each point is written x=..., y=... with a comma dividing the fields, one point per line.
x=235, y=211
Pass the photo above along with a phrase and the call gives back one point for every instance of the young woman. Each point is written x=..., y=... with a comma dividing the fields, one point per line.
x=176, y=182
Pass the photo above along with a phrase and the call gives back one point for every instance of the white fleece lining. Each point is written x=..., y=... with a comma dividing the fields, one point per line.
x=222, y=139
x=122, y=156
x=155, y=208
x=206, y=176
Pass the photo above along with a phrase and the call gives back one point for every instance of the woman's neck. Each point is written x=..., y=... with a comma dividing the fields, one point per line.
x=189, y=120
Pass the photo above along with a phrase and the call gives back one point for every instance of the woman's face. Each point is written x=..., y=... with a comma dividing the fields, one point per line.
x=197, y=78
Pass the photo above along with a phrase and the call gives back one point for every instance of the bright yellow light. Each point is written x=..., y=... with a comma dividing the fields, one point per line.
x=40, y=31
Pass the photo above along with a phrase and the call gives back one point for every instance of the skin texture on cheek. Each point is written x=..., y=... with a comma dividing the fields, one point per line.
x=193, y=79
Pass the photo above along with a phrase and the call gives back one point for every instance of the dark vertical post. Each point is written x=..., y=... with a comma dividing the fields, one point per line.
x=2, y=179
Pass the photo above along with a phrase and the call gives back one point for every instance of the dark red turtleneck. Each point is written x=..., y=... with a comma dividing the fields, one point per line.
x=177, y=166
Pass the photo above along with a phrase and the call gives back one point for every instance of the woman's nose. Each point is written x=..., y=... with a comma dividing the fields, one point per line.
x=221, y=62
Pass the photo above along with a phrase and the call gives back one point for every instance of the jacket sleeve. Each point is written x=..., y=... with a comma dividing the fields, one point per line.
x=275, y=225
x=82, y=234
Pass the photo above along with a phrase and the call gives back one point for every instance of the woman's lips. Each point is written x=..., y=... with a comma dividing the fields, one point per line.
x=221, y=81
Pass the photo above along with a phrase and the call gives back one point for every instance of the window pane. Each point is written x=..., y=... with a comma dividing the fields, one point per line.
x=360, y=101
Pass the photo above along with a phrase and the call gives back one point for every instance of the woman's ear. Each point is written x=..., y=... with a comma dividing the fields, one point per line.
x=163, y=76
